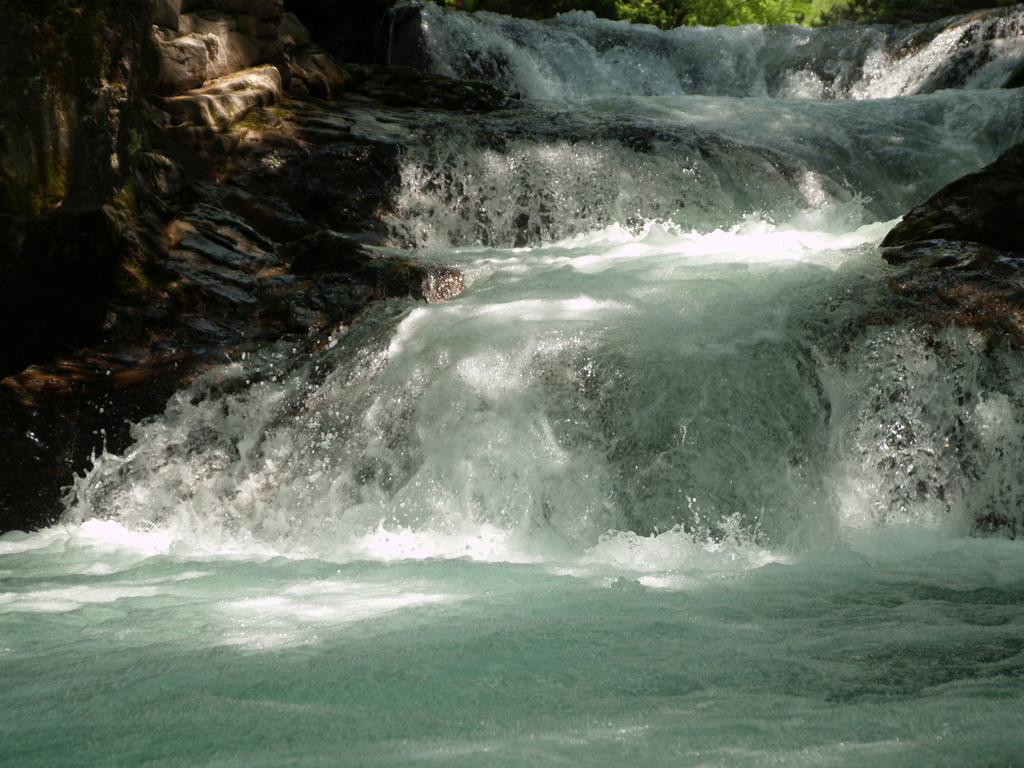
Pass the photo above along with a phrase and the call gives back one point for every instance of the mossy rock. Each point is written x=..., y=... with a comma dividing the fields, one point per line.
x=73, y=70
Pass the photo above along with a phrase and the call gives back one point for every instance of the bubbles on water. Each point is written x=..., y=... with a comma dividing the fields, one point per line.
x=926, y=437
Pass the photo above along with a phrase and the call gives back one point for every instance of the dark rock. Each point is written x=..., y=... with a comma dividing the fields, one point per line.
x=385, y=276
x=341, y=186
x=326, y=251
x=360, y=31
x=263, y=9
x=962, y=252
x=165, y=13
x=407, y=87
x=55, y=418
x=985, y=207
x=266, y=213
x=1016, y=78
x=954, y=254
x=318, y=71
x=227, y=234
x=55, y=282
x=72, y=81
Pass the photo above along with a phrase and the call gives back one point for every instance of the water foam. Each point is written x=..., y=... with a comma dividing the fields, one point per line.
x=578, y=55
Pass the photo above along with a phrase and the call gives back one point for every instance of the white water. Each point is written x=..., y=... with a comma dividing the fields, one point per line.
x=577, y=55
x=674, y=485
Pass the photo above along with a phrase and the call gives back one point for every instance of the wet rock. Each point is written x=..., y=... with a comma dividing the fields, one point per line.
x=54, y=418
x=326, y=175
x=985, y=207
x=954, y=254
x=400, y=86
x=266, y=213
x=970, y=295
x=1016, y=78
x=386, y=276
x=326, y=251
x=962, y=252
x=245, y=221
x=72, y=72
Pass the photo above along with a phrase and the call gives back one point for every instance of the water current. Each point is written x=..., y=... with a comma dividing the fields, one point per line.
x=674, y=482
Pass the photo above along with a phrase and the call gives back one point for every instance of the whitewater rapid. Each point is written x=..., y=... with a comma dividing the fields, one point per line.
x=675, y=481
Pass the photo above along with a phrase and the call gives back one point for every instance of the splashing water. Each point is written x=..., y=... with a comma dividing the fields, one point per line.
x=673, y=482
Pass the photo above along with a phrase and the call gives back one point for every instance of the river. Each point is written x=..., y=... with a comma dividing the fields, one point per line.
x=673, y=482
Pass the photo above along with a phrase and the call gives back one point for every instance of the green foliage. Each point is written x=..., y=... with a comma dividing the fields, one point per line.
x=535, y=9
x=917, y=11
x=662, y=13
x=673, y=13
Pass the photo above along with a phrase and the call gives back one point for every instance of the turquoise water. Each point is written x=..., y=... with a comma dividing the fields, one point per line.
x=898, y=649
x=674, y=482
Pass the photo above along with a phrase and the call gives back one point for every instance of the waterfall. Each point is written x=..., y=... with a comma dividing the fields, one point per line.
x=669, y=315
x=678, y=479
x=577, y=55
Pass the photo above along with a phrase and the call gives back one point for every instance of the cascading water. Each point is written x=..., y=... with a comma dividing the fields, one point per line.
x=674, y=481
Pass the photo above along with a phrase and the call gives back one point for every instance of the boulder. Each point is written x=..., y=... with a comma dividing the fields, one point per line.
x=226, y=100
x=184, y=62
x=319, y=73
x=210, y=44
x=985, y=207
x=961, y=253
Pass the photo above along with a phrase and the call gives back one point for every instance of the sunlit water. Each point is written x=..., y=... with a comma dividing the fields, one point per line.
x=671, y=483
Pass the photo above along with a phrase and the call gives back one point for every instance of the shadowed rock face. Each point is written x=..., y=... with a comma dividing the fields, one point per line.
x=71, y=81
x=72, y=73
x=361, y=31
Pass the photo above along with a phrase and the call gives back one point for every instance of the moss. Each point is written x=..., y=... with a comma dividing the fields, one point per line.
x=126, y=200
x=66, y=47
x=132, y=272
x=138, y=271
x=47, y=186
x=258, y=119
x=70, y=43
